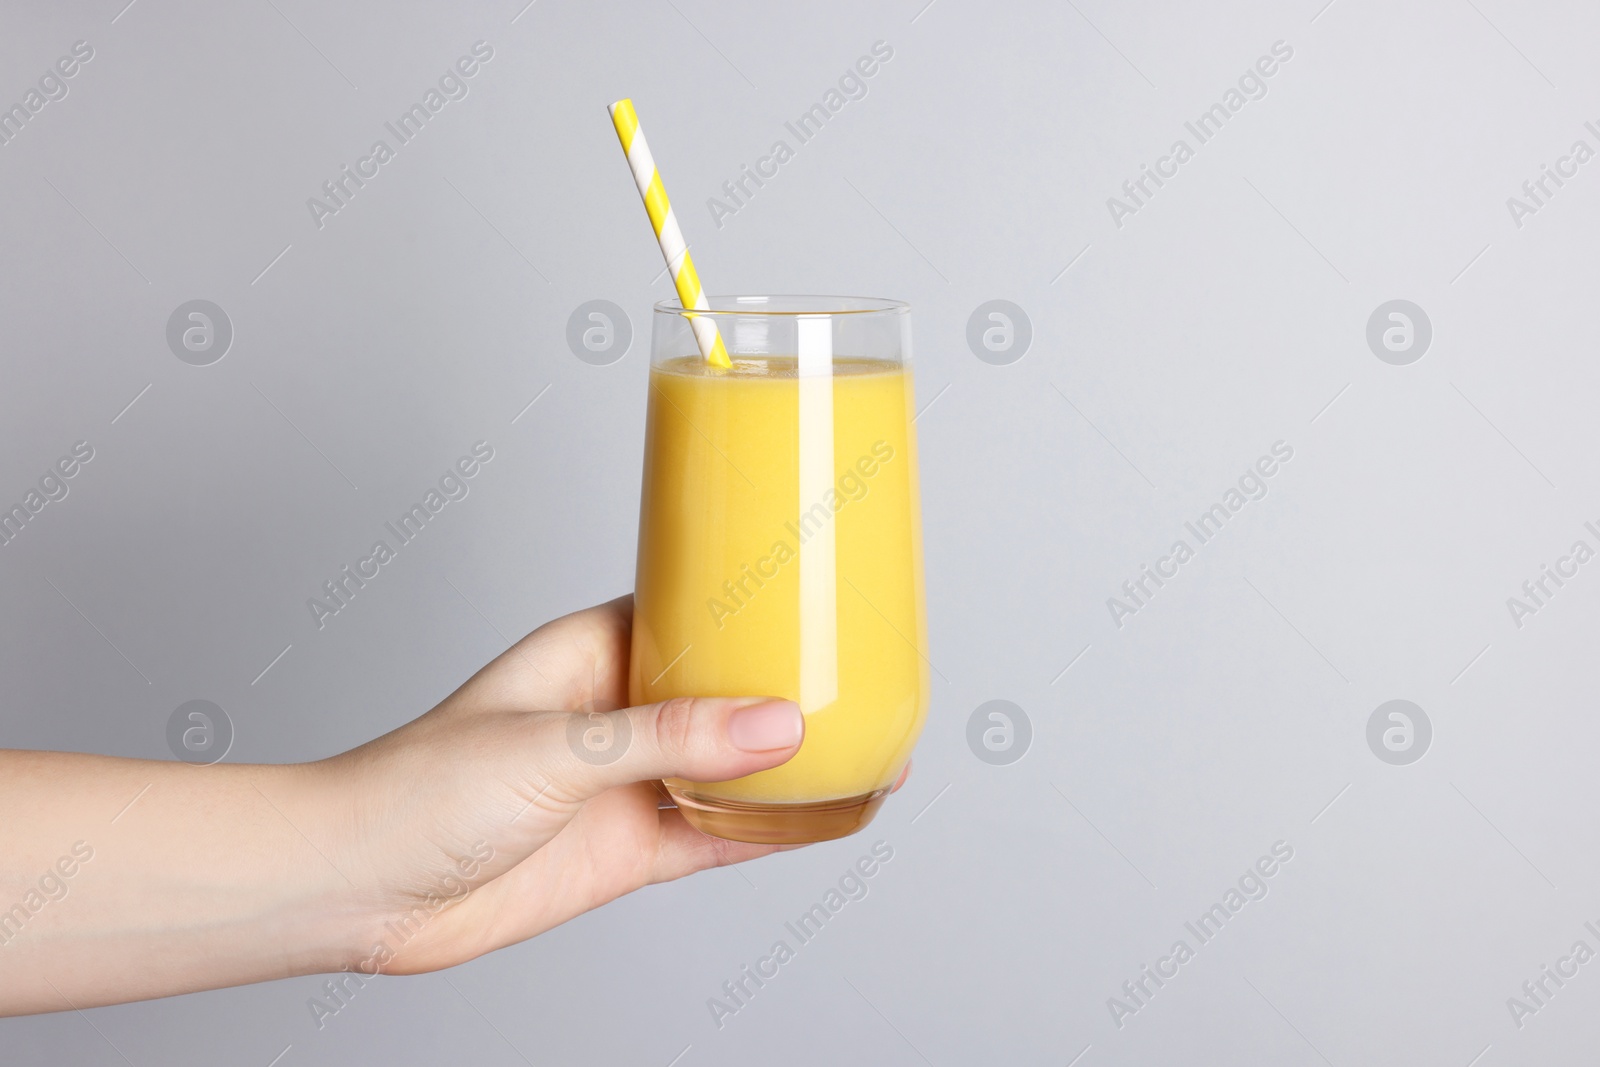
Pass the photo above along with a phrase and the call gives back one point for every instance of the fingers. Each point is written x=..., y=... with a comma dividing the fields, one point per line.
x=905, y=772
x=592, y=648
x=682, y=850
x=576, y=660
x=597, y=629
x=707, y=739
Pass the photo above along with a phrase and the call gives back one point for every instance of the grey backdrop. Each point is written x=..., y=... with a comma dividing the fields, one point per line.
x=1228, y=312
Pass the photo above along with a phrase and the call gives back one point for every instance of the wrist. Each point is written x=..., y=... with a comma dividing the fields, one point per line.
x=390, y=878
x=412, y=856
x=331, y=903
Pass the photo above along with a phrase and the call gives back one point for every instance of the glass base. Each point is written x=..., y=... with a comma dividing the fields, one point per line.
x=778, y=824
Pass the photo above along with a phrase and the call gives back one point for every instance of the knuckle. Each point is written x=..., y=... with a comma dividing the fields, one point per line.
x=675, y=724
x=722, y=852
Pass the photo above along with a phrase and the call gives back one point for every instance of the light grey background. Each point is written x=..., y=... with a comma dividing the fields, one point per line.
x=1229, y=313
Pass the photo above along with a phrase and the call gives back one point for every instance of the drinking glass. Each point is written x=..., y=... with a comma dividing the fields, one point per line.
x=780, y=550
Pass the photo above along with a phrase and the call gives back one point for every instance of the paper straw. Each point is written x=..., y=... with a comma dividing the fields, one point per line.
x=673, y=248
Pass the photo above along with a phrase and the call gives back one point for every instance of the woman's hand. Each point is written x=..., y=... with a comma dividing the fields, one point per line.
x=478, y=825
x=490, y=791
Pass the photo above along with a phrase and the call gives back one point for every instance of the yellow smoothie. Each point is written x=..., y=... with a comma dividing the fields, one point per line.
x=780, y=554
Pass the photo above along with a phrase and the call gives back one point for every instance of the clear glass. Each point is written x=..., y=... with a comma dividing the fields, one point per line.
x=780, y=550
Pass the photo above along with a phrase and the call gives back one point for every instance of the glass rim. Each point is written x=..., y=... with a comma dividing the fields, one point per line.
x=786, y=305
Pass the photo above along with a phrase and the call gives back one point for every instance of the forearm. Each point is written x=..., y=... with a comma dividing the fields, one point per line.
x=124, y=879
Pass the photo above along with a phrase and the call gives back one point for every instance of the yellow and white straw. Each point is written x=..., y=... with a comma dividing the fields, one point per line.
x=670, y=237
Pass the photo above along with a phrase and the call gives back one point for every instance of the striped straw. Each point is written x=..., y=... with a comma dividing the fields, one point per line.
x=670, y=237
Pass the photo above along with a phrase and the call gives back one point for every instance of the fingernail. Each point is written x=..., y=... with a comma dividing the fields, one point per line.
x=766, y=726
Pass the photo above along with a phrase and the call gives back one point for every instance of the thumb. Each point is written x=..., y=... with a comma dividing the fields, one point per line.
x=706, y=739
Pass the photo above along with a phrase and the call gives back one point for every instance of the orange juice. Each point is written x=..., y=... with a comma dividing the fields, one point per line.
x=780, y=554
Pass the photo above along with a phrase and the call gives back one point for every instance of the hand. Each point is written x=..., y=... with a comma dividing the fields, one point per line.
x=479, y=826
x=474, y=827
